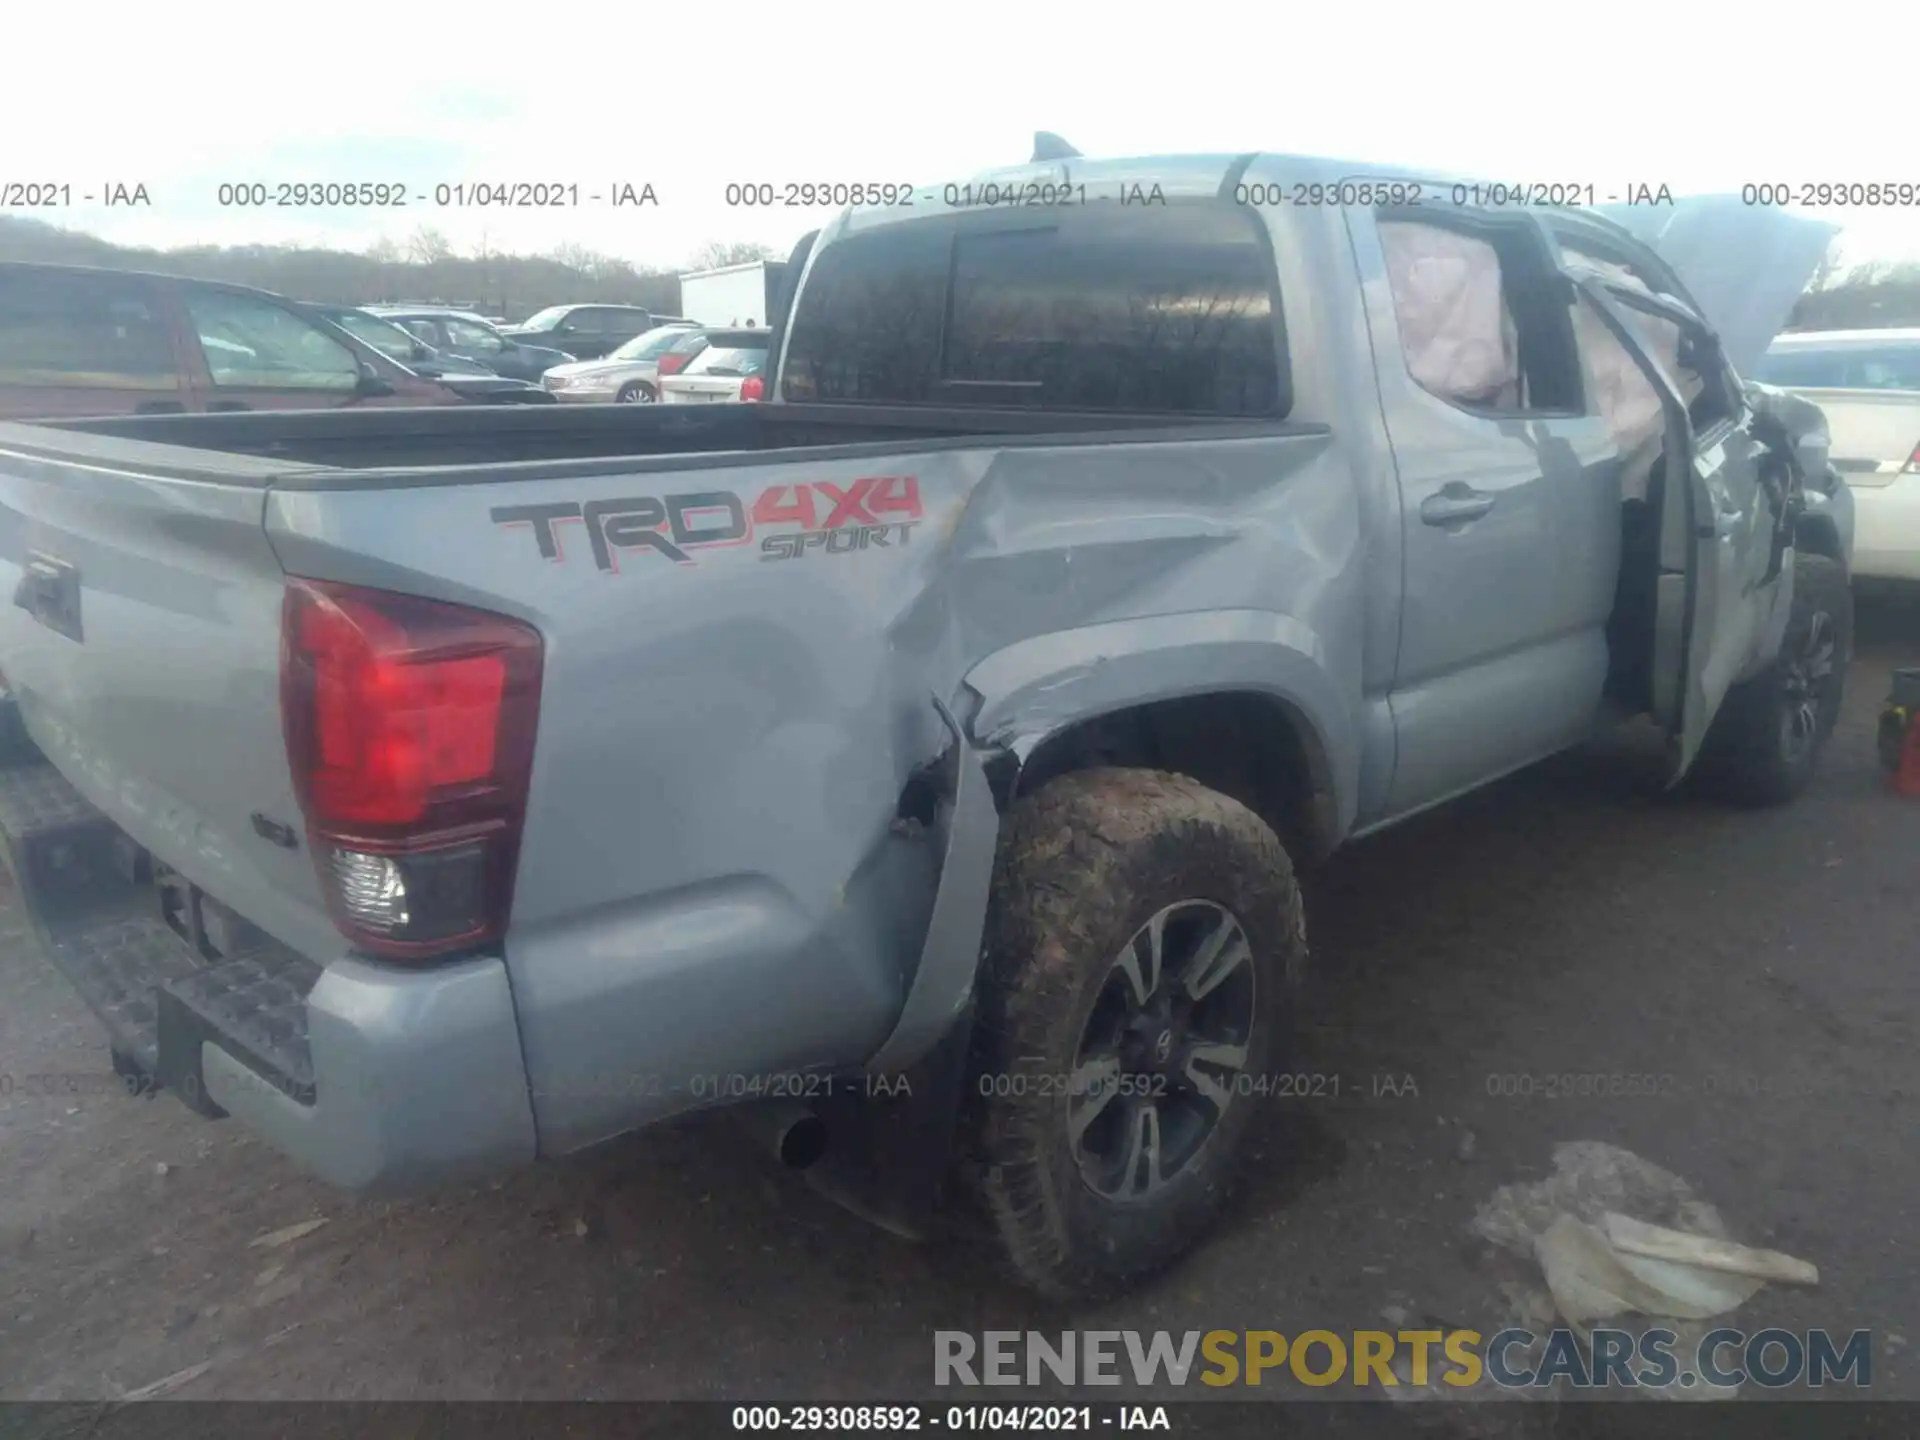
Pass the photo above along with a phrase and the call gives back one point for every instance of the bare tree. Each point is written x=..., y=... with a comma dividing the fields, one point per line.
x=428, y=246
x=1827, y=273
x=717, y=253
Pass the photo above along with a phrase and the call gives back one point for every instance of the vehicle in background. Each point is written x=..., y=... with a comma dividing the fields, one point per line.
x=396, y=342
x=629, y=376
x=735, y=295
x=731, y=366
x=80, y=340
x=466, y=336
x=680, y=354
x=1867, y=382
x=587, y=332
x=468, y=380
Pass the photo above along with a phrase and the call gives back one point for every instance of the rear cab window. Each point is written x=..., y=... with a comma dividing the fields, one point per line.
x=83, y=331
x=1166, y=309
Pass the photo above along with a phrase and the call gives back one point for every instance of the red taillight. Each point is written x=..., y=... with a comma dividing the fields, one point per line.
x=753, y=388
x=409, y=727
x=1913, y=462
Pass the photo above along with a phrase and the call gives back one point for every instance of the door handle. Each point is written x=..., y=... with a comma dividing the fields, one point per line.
x=1454, y=503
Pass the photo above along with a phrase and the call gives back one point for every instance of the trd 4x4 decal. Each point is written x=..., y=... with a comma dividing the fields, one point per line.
x=826, y=517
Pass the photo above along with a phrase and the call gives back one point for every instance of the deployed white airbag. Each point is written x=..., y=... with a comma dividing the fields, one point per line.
x=1455, y=328
x=1623, y=395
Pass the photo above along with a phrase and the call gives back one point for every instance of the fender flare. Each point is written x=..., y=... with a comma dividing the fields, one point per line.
x=1037, y=688
x=1020, y=695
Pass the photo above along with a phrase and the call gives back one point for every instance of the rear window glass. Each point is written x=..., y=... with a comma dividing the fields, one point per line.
x=1165, y=308
x=650, y=345
x=1886, y=367
x=720, y=360
x=82, y=330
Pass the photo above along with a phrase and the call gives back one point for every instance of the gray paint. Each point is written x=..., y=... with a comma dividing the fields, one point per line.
x=418, y=1079
x=711, y=882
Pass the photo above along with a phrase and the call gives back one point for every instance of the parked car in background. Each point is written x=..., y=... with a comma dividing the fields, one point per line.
x=396, y=342
x=466, y=378
x=629, y=376
x=587, y=332
x=80, y=340
x=680, y=354
x=730, y=367
x=466, y=336
x=1867, y=382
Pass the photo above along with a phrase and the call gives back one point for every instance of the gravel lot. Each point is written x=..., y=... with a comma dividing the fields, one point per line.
x=1572, y=919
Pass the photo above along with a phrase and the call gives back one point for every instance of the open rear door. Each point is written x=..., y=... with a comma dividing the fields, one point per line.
x=1716, y=541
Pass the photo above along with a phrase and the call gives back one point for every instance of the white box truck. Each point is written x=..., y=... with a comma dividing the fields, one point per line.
x=736, y=295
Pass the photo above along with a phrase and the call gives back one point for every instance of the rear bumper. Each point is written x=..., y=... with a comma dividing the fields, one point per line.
x=1886, y=543
x=373, y=1078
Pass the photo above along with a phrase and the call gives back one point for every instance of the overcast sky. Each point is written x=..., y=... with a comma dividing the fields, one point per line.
x=691, y=96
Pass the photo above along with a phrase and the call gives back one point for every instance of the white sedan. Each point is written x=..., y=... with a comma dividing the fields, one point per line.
x=732, y=367
x=1868, y=384
x=628, y=376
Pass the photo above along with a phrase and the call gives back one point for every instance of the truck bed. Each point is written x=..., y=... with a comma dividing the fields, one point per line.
x=713, y=871
x=642, y=437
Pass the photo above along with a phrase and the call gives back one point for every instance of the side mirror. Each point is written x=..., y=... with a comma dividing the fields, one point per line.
x=372, y=384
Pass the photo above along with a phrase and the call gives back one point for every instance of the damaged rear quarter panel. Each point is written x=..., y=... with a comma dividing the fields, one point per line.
x=711, y=884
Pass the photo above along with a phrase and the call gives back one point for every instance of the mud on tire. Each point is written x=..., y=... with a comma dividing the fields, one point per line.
x=1087, y=866
x=1764, y=744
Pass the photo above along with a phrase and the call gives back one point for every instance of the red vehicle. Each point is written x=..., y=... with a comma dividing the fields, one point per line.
x=79, y=341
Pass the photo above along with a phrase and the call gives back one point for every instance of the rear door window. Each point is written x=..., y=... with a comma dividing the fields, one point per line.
x=1167, y=308
x=83, y=331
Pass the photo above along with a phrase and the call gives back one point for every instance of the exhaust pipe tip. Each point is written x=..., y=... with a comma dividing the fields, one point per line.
x=802, y=1141
x=795, y=1134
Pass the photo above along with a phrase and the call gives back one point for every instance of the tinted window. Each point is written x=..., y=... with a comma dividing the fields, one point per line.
x=624, y=322
x=1889, y=367
x=719, y=360
x=249, y=341
x=470, y=336
x=1165, y=308
x=82, y=330
x=389, y=340
x=581, y=322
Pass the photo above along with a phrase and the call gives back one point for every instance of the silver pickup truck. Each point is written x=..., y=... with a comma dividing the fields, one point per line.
x=921, y=760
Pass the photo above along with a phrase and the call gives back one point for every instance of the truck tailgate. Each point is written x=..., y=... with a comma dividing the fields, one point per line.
x=140, y=636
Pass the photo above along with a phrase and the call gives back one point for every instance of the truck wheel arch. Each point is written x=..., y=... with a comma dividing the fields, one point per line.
x=1235, y=700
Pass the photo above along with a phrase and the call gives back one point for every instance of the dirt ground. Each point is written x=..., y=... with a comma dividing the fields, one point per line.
x=1572, y=919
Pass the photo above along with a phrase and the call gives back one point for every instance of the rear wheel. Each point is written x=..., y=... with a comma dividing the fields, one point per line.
x=635, y=392
x=1143, y=943
x=1766, y=740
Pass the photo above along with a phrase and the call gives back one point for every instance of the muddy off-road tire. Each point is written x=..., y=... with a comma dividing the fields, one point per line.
x=1765, y=742
x=1119, y=896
